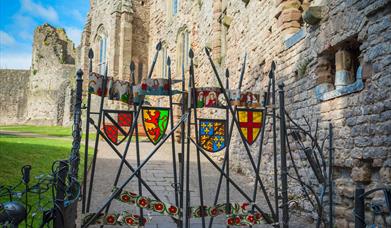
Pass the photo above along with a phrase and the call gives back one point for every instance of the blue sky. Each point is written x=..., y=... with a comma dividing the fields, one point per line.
x=19, y=18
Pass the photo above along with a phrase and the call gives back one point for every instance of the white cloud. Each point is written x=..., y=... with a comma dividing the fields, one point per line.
x=74, y=34
x=15, y=60
x=48, y=13
x=6, y=39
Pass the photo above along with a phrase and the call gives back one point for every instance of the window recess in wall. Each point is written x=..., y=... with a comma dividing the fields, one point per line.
x=339, y=71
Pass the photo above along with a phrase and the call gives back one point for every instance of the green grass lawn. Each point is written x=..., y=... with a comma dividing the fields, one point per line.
x=42, y=130
x=40, y=153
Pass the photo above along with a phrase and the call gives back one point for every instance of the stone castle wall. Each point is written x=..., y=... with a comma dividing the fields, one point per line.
x=42, y=95
x=13, y=96
x=53, y=67
x=308, y=58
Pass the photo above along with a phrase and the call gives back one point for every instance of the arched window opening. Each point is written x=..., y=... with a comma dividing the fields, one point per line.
x=102, y=54
x=183, y=46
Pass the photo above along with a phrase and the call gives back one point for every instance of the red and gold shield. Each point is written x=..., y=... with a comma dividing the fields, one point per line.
x=250, y=122
x=117, y=125
x=155, y=121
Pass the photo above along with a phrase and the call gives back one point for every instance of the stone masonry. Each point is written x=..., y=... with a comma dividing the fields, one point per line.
x=320, y=47
x=44, y=97
x=13, y=96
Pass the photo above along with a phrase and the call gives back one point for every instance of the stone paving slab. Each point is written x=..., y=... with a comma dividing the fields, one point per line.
x=159, y=176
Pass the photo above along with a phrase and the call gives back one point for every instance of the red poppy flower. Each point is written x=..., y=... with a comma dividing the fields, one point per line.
x=230, y=221
x=125, y=198
x=159, y=207
x=110, y=219
x=144, y=221
x=129, y=221
x=237, y=220
x=258, y=216
x=143, y=202
x=213, y=212
x=144, y=86
x=244, y=206
x=250, y=218
x=172, y=210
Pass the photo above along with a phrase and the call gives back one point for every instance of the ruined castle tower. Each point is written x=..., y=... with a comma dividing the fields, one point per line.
x=53, y=66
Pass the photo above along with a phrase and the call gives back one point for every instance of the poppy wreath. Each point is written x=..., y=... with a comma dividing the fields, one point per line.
x=219, y=209
x=148, y=204
x=104, y=219
x=123, y=218
x=244, y=219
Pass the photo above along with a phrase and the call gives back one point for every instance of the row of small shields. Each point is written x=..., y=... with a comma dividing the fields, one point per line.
x=212, y=133
x=117, y=124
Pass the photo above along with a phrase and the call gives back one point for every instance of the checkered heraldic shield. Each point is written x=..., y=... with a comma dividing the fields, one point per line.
x=117, y=125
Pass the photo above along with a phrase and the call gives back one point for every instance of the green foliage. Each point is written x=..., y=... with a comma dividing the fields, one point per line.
x=302, y=67
x=35, y=71
x=40, y=153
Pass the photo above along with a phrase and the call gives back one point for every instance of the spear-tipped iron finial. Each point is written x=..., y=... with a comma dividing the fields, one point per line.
x=132, y=66
x=207, y=51
x=90, y=53
x=159, y=46
x=168, y=61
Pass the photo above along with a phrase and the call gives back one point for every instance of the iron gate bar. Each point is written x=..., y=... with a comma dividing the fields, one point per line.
x=85, y=174
x=135, y=118
x=182, y=154
x=226, y=157
x=126, y=162
x=227, y=149
x=174, y=169
x=273, y=77
x=266, y=99
x=108, y=201
x=330, y=175
x=238, y=126
x=221, y=175
x=266, y=216
x=187, y=201
x=140, y=190
x=192, y=81
x=284, y=171
x=96, y=141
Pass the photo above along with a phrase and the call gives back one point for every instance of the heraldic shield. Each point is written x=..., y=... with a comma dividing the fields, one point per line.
x=212, y=134
x=250, y=122
x=155, y=121
x=117, y=125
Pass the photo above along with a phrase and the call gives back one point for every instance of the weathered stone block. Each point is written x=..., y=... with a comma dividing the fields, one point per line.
x=362, y=172
x=313, y=15
x=289, y=15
